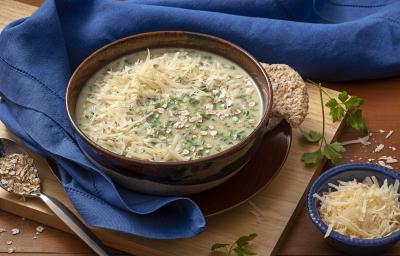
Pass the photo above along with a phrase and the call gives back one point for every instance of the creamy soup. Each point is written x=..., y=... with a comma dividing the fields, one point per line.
x=169, y=105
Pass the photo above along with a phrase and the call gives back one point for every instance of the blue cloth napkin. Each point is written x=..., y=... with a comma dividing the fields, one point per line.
x=323, y=39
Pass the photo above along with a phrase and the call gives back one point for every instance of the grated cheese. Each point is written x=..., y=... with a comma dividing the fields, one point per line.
x=389, y=134
x=149, y=107
x=379, y=148
x=382, y=163
x=363, y=210
x=363, y=140
x=389, y=159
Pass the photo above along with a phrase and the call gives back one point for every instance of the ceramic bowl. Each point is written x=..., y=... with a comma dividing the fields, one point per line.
x=181, y=177
x=347, y=172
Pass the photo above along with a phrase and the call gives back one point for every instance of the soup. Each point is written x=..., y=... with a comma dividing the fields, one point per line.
x=169, y=105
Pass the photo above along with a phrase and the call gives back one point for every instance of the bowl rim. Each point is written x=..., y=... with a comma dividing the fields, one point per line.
x=228, y=151
x=320, y=224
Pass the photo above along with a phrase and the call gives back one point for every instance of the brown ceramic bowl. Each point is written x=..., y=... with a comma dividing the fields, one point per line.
x=171, y=178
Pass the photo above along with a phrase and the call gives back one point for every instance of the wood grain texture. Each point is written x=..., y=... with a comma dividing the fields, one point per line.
x=273, y=150
x=381, y=112
x=278, y=204
x=32, y=2
x=11, y=10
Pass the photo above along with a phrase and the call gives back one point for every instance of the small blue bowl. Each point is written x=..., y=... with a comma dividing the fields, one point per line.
x=347, y=172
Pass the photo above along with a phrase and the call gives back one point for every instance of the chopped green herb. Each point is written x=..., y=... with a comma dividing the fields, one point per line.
x=199, y=117
x=194, y=101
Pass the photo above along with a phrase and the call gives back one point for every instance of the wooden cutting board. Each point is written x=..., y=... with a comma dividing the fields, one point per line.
x=279, y=203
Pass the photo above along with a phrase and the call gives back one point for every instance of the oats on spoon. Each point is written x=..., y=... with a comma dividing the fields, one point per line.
x=18, y=174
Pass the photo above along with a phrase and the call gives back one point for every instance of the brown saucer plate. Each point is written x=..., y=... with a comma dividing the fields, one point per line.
x=254, y=176
x=250, y=180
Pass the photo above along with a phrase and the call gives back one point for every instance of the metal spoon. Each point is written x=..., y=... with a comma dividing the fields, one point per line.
x=8, y=147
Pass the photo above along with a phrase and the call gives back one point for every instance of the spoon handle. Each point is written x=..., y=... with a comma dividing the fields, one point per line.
x=75, y=225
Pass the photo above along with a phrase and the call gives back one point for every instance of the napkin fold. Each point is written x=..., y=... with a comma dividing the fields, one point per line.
x=323, y=40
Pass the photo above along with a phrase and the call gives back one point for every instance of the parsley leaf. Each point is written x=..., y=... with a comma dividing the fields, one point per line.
x=312, y=136
x=333, y=152
x=343, y=105
x=243, y=252
x=311, y=158
x=343, y=96
x=353, y=103
x=217, y=246
x=244, y=240
x=355, y=120
x=336, y=110
x=332, y=103
x=240, y=246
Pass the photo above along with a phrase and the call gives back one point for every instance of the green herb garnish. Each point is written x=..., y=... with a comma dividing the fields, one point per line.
x=347, y=105
x=239, y=247
x=312, y=136
x=338, y=108
x=194, y=101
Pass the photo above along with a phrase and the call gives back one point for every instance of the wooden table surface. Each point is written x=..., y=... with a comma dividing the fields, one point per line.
x=381, y=112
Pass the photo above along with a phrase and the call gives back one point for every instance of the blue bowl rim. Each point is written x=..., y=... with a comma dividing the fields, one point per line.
x=320, y=224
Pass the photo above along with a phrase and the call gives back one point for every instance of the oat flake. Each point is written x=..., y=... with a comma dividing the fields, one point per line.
x=18, y=174
x=15, y=231
x=40, y=229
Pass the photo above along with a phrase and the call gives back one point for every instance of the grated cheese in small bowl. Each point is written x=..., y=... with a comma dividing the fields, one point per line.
x=357, y=208
x=363, y=210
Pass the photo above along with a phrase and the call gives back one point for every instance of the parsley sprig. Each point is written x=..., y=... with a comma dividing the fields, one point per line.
x=239, y=247
x=338, y=108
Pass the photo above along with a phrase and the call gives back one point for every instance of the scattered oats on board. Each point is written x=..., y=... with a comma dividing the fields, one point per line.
x=11, y=250
x=9, y=242
x=15, y=231
x=381, y=131
x=40, y=229
x=379, y=148
x=2, y=230
x=392, y=148
x=35, y=237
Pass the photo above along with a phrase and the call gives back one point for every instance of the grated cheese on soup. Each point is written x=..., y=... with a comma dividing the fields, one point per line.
x=169, y=105
x=363, y=210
